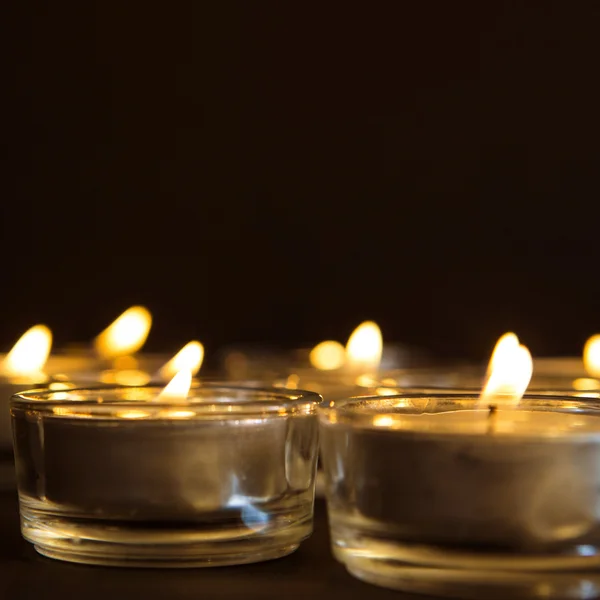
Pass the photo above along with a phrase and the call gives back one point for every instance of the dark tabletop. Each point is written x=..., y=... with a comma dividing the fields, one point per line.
x=311, y=573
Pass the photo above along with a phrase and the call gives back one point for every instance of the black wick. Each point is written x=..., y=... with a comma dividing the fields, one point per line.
x=491, y=418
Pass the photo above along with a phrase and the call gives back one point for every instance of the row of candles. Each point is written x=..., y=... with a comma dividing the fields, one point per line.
x=114, y=349
x=113, y=359
x=453, y=468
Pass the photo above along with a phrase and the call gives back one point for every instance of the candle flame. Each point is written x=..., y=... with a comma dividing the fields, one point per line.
x=178, y=388
x=365, y=346
x=189, y=357
x=126, y=334
x=327, y=356
x=509, y=372
x=29, y=355
x=591, y=356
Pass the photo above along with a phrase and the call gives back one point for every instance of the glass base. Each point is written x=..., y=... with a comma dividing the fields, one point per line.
x=448, y=573
x=159, y=545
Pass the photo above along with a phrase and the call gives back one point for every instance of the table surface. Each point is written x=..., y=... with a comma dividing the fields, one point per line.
x=311, y=572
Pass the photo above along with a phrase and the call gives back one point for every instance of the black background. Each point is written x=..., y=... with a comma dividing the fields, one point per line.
x=275, y=172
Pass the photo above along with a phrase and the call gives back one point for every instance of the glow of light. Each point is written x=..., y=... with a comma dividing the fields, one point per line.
x=586, y=383
x=383, y=421
x=177, y=414
x=132, y=414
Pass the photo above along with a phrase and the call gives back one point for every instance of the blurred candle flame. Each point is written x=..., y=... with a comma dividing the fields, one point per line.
x=178, y=388
x=29, y=355
x=126, y=334
x=509, y=373
x=327, y=356
x=591, y=356
x=189, y=357
x=365, y=346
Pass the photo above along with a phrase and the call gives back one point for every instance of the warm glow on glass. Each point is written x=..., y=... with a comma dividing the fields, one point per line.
x=130, y=377
x=126, y=335
x=509, y=372
x=383, y=420
x=177, y=414
x=132, y=414
x=327, y=356
x=178, y=388
x=365, y=346
x=384, y=391
x=586, y=383
x=189, y=357
x=29, y=355
x=591, y=356
x=133, y=377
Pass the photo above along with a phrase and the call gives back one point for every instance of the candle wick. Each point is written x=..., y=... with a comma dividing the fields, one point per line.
x=491, y=418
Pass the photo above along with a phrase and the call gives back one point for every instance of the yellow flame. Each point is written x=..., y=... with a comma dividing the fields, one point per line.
x=508, y=342
x=29, y=355
x=178, y=388
x=126, y=334
x=365, y=346
x=327, y=356
x=509, y=372
x=591, y=356
x=189, y=357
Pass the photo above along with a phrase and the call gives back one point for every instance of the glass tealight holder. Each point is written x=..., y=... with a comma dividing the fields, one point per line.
x=119, y=476
x=429, y=493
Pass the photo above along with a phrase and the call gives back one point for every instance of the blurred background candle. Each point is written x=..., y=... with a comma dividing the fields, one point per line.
x=22, y=368
x=329, y=368
x=578, y=372
x=115, y=357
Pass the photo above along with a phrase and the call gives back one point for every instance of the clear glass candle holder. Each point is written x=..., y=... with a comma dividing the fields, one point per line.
x=119, y=476
x=429, y=493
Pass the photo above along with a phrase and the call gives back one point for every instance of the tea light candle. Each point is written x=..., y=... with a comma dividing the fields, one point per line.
x=573, y=372
x=220, y=476
x=21, y=369
x=449, y=493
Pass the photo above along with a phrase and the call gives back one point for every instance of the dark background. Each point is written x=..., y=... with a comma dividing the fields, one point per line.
x=275, y=172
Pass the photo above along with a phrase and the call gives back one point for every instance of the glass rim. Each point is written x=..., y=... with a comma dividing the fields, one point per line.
x=472, y=372
x=461, y=393
x=107, y=400
x=359, y=411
